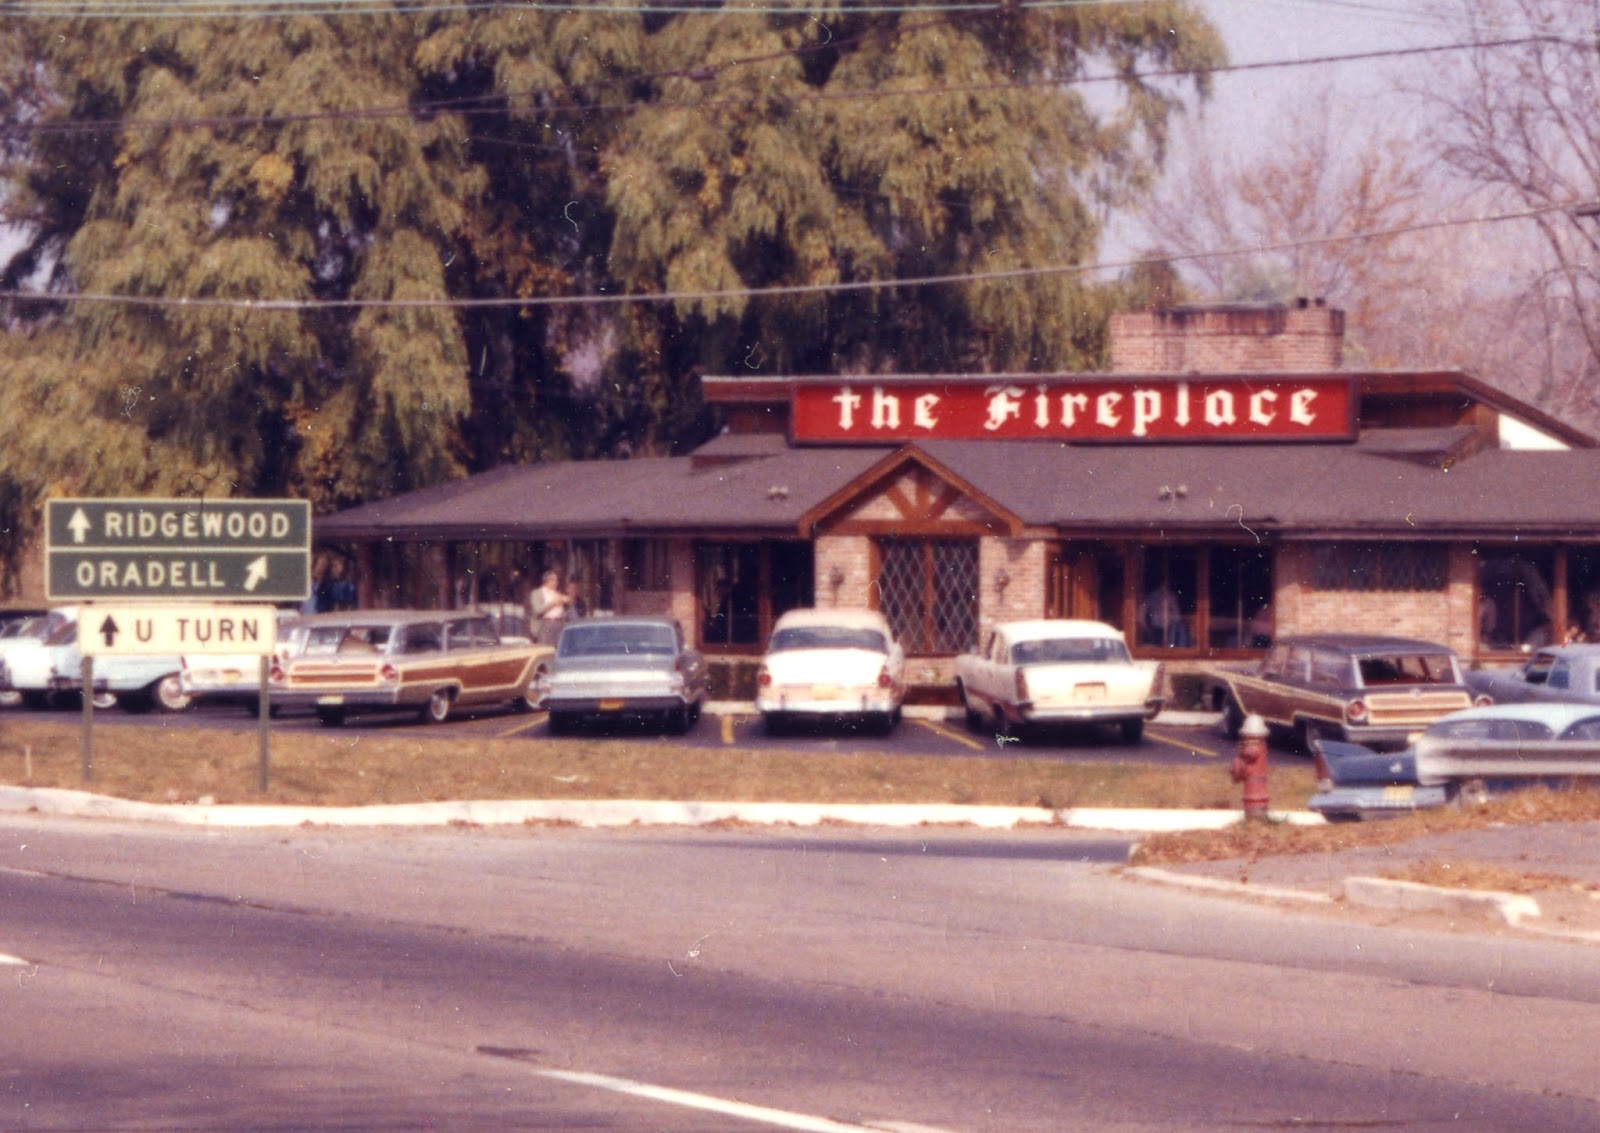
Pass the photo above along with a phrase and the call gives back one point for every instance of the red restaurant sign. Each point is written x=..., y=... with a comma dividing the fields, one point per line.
x=1201, y=410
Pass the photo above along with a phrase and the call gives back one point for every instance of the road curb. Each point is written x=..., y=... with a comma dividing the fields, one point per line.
x=1221, y=885
x=612, y=813
x=1388, y=893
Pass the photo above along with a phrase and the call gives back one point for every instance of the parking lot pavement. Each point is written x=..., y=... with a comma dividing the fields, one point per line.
x=1548, y=878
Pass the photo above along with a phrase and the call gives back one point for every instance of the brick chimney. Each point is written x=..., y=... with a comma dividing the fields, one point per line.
x=1228, y=339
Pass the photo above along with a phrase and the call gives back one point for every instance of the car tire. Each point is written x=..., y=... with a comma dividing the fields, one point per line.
x=974, y=718
x=167, y=694
x=1232, y=717
x=1132, y=732
x=103, y=701
x=774, y=723
x=677, y=720
x=437, y=709
x=562, y=723
x=330, y=717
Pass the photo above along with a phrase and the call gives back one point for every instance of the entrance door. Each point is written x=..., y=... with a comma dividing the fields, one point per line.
x=1086, y=582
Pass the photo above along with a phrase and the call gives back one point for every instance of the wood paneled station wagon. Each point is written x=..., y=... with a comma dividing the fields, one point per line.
x=427, y=662
x=1376, y=691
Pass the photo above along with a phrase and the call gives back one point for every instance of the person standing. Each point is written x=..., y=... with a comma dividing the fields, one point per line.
x=550, y=606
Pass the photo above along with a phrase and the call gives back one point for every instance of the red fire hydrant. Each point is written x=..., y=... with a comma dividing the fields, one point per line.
x=1250, y=766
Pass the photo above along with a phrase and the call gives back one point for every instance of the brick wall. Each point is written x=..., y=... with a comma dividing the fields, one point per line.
x=1443, y=616
x=1245, y=339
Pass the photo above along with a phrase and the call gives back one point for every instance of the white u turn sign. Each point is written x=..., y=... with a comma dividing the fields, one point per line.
x=109, y=630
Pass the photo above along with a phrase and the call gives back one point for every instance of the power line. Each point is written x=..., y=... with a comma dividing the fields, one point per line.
x=493, y=103
x=640, y=298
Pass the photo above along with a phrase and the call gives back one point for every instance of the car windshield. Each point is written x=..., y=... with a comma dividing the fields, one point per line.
x=1407, y=669
x=609, y=640
x=828, y=637
x=1092, y=649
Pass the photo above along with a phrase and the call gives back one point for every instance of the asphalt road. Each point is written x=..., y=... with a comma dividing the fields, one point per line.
x=671, y=980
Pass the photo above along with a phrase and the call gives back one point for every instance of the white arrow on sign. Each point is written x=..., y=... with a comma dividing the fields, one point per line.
x=79, y=525
x=255, y=573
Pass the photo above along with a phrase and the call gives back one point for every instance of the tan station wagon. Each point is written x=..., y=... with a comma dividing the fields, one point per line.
x=429, y=662
x=1376, y=691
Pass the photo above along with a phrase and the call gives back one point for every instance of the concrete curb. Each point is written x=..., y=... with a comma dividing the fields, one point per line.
x=1387, y=893
x=1235, y=888
x=612, y=813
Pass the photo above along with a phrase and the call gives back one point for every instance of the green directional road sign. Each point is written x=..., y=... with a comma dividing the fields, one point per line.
x=200, y=550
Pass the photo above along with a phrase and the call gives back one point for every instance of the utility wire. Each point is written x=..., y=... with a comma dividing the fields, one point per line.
x=640, y=298
x=493, y=103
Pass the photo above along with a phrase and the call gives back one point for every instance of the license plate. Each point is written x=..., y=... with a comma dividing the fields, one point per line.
x=611, y=705
x=330, y=700
x=1089, y=692
x=825, y=692
x=1399, y=794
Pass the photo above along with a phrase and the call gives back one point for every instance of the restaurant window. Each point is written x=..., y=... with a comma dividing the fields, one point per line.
x=928, y=591
x=742, y=589
x=1239, y=598
x=1372, y=567
x=1583, y=593
x=1515, y=603
x=1168, y=592
x=646, y=565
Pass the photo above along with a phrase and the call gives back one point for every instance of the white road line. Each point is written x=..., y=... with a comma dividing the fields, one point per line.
x=778, y=1118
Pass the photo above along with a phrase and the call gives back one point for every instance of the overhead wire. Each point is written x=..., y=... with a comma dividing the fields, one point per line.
x=789, y=290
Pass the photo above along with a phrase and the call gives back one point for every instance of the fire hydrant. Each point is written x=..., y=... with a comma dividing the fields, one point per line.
x=1250, y=766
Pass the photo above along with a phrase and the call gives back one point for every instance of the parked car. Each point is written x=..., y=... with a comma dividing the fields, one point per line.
x=16, y=626
x=619, y=667
x=234, y=679
x=1371, y=690
x=430, y=662
x=1057, y=671
x=1491, y=748
x=46, y=668
x=1555, y=673
x=832, y=665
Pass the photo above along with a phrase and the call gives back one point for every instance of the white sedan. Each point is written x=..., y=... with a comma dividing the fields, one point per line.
x=1057, y=671
x=832, y=664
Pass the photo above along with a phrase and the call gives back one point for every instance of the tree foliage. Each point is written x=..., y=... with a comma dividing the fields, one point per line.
x=354, y=170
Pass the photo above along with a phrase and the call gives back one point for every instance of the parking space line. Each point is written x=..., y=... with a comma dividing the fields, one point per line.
x=537, y=719
x=762, y=1115
x=1157, y=736
x=951, y=734
x=727, y=728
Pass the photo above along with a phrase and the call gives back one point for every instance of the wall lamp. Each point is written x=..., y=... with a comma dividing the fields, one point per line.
x=1002, y=579
x=835, y=577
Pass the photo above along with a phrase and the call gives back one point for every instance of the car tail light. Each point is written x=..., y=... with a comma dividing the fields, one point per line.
x=1355, y=711
x=763, y=678
x=1482, y=700
x=277, y=675
x=389, y=673
x=884, y=679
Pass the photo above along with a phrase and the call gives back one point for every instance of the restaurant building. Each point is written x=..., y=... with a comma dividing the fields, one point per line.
x=1228, y=481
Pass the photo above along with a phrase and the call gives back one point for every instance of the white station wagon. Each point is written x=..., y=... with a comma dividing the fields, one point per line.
x=1057, y=671
x=832, y=665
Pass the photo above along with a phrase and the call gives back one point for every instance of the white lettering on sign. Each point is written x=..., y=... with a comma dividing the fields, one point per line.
x=1172, y=410
x=154, y=574
x=143, y=525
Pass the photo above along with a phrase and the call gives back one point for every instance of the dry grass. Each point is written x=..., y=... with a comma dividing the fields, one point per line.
x=341, y=768
x=1481, y=875
x=1251, y=841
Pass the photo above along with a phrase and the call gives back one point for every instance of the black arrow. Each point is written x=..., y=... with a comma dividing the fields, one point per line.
x=109, y=630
